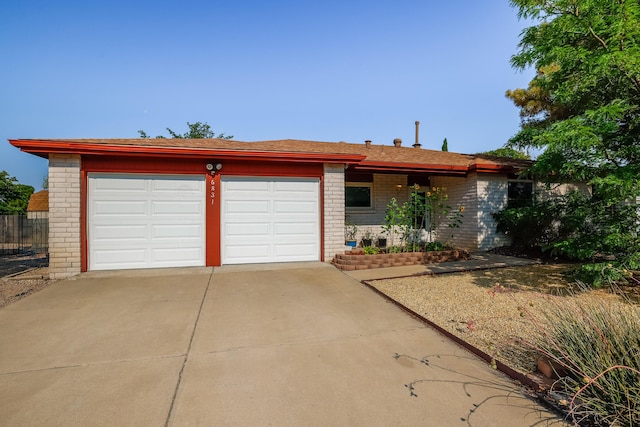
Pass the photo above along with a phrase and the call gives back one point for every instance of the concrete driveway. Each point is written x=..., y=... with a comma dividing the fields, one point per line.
x=296, y=344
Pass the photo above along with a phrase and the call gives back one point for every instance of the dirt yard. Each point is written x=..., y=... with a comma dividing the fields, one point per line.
x=22, y=275
x=493, y=309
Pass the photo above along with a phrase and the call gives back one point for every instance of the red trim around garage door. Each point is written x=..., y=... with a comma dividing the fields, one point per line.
x=159, y=166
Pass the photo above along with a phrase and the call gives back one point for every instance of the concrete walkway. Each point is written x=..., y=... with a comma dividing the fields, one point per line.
x=297, y=344
x=477, y=261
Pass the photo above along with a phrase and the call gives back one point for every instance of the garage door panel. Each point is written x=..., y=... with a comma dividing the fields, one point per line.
x=176, y=185
x=292, y=249
x=119, y=184
x=246, y=185
x=113, y=258
x=119, y=232
x=169, y=207
x=119, y=208
x=270, y=219
x=168, y=256
x=292, y=206
x=247, y=207
x=253, y=252
x=295, y=186
x=256, y=229
x=306, y=229
x=145, y=221
x=177, y=232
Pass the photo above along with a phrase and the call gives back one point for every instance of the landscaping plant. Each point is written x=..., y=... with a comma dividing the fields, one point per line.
x=596, y=348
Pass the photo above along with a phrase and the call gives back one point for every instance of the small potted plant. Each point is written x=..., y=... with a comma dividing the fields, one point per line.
x=382, y=241
x=367, y=238
x=350, y=231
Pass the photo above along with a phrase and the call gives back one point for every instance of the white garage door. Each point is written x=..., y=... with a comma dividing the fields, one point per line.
x=145, y=221
x=270, y=220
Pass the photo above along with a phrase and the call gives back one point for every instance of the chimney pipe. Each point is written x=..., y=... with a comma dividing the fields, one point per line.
x=417, y=144
x=397, y=142
x=367, y=143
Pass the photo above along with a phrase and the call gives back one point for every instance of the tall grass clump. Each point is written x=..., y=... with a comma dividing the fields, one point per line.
x=596, y=348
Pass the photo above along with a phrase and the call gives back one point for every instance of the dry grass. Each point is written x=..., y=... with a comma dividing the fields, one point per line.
x=490, y=309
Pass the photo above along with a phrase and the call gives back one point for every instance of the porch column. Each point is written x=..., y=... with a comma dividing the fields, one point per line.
x=333, y=210
x=64, y=215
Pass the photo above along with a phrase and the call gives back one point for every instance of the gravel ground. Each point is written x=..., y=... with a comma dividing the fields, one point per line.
x=13, y=289
x=22, y=275
x=491, y=309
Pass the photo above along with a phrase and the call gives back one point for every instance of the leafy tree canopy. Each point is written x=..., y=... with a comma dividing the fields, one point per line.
x=196, y=130
x=507, y=152
x=582, y=109
x=583, y=106
x=14, y=197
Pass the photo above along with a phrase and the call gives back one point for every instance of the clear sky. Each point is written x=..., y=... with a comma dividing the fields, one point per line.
x=325, y=70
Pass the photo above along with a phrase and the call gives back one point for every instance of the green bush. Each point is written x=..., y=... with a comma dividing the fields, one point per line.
x=603, y=237
x=598, y=347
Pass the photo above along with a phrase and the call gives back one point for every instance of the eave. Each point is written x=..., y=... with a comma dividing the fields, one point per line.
x=43, y=148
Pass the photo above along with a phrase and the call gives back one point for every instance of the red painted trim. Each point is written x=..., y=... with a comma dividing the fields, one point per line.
x=84, y=256
x=321, y=198
x=213, y=220
x=47, y=146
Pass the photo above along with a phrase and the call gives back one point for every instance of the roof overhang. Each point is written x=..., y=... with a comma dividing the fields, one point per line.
x=460, y=170
x=43, y=148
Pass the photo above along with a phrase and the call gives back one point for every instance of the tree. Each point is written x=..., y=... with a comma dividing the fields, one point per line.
x=582, y=109
x=14, y=197
x=197, y=130
x=507, y=152
x=445, y=145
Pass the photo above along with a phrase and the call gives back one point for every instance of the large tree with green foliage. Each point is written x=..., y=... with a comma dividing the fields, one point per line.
x=196, y=130
x=14, y=197
x=582, y=109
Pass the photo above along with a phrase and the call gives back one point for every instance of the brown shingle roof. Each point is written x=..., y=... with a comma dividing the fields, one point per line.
x=375, y=154
x=39, y=202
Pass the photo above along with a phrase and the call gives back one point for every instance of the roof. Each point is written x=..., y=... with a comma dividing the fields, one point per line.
x=39, y=201
x=361, y=156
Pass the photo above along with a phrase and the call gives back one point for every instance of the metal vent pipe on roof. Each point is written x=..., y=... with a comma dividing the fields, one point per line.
x=397, y=142
x=417, y=144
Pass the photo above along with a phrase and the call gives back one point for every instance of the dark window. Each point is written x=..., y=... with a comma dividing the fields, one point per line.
x=357, y=196
x=520, y=193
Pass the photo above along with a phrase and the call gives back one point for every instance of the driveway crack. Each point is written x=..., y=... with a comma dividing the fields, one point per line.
x=186, y=356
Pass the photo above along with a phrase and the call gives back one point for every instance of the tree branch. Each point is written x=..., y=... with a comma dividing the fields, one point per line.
x=602, y=42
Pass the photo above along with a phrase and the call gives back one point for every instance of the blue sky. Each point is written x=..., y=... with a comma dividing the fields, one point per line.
x=318, y=70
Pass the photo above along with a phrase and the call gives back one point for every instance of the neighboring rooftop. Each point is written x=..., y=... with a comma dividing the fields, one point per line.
x=39, y=201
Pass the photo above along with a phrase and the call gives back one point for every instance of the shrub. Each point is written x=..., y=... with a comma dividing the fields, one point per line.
x=598, y=347
x=602, y=236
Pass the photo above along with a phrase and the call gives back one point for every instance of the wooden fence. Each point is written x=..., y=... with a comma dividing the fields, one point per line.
x=19, y=234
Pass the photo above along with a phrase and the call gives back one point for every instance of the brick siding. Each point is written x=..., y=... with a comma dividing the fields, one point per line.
x=64, y=215
x=385, y=187
x=333, y=210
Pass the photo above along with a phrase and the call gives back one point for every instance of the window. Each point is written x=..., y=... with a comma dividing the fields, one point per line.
x=358, y=195
x=520, y=193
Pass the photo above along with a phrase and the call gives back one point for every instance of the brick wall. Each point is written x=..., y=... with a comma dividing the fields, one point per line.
x=333, y=210
x=492, y=197
x=462, y=192
x=64, y=215
x=385, y=187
